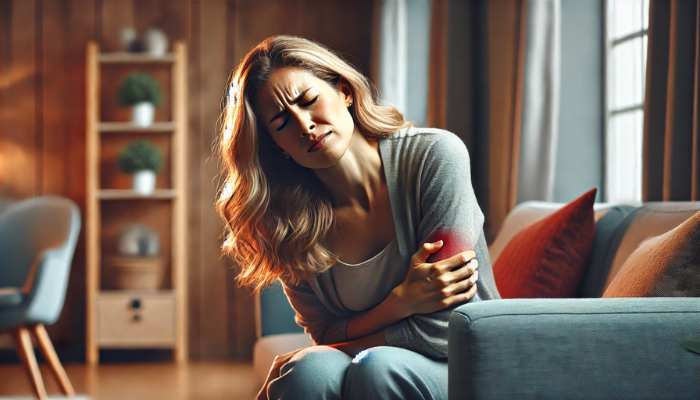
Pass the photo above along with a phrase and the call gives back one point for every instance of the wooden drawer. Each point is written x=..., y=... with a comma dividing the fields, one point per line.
x=136, y=320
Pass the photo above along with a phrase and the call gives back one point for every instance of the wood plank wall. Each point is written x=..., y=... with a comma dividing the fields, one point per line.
x=42, y=123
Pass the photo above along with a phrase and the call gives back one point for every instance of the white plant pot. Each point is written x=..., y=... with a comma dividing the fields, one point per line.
x=142, y=114
x=144, y=182
x=156, y=42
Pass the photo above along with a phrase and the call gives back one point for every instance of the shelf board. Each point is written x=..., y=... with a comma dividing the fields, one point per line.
x=124, y=57
x=125, y=194
x=136, y=293
x=136, y=343
x=128, y=127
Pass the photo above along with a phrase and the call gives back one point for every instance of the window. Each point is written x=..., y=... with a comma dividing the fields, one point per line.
x=626, y=54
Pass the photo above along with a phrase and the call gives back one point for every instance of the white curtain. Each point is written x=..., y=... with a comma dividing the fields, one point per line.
x=538, y=136
x=404, y=48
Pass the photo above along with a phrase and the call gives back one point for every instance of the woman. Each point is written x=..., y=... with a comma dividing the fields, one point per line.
x=370, y=224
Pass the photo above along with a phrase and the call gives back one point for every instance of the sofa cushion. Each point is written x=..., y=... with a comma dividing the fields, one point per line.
x=663, y=266
x=547, y=259
x=596, y=271
x=650, y=220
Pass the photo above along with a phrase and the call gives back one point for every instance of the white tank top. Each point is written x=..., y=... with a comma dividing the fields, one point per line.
x=362, y=286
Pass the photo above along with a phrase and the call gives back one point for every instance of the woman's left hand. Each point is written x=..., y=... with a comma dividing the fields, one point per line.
x=275, y=371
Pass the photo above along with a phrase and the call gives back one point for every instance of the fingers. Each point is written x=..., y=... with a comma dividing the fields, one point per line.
x=458, y=274
x=462, y=285
x=456, y=260
x=426, y=250
x=464, y=272
x=469, y=294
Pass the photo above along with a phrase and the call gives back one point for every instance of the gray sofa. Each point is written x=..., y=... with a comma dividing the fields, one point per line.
x=588, y=348
x=585, y=348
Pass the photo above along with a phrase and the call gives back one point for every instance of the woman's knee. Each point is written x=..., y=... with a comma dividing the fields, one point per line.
x=317, y=372
x=375, y=363
x=394, y=373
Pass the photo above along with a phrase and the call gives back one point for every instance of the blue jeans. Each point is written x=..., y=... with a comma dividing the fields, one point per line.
x=385, y=372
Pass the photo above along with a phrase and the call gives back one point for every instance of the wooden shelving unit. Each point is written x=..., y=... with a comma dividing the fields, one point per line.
x=120, y=319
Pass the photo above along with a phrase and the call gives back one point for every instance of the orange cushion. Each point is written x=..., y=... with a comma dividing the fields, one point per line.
x=547, y=259
x=663, y=266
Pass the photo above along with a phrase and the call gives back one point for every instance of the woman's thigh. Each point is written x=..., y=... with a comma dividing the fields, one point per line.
x=394, y=373
x=315, y=373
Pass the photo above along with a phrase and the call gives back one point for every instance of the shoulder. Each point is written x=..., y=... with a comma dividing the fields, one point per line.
x=418, y=145
x=423, y=136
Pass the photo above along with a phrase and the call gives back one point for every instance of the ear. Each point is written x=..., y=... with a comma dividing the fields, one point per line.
x=346, y=93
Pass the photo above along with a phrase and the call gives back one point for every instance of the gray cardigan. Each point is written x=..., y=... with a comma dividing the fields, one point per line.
x=430, y=191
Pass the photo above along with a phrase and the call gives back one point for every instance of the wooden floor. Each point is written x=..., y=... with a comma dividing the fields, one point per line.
x=196, y=380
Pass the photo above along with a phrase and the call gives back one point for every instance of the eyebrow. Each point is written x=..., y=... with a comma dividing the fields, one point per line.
x=296, y=100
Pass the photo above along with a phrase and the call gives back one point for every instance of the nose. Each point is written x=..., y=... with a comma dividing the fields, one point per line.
x=306, y=123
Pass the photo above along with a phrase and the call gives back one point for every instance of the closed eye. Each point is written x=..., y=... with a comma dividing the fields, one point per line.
x=310, y=103
x=303, y=105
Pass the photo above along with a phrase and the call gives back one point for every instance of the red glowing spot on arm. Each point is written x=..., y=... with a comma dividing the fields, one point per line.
x=454, y=242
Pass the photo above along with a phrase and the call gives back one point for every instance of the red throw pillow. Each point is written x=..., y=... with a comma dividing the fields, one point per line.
x=548, y=258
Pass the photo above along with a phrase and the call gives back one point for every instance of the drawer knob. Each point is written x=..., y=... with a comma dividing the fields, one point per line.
x=136, y=303
x=136, y=318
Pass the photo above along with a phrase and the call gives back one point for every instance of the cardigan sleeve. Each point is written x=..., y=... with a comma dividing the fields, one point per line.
x=448, y=212
x=311, y=314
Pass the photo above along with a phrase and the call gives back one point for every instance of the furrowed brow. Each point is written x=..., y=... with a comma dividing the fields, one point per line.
x=296, y=100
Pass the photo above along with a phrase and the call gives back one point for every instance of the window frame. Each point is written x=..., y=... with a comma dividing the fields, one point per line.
x=608, y=111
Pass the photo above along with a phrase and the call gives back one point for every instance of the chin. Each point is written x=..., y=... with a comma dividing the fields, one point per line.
x=325, y=158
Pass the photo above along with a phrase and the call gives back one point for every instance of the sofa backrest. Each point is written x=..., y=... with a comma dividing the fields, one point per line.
x=527, y=213
x=273, y=313
x=620, y=229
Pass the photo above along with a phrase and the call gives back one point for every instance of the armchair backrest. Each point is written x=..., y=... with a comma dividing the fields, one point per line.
x=37, y=241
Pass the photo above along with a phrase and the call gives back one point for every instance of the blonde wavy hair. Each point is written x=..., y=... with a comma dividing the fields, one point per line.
x=276, y=212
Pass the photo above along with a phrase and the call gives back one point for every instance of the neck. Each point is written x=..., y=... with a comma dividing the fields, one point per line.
x=357, y=178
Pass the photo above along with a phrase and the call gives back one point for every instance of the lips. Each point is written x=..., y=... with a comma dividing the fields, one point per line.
x=314, y=145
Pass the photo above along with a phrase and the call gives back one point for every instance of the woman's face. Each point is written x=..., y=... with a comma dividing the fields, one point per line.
x=299, y=110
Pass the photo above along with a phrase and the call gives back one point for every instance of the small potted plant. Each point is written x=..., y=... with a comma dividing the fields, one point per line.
x=143, y=93
x=144, y=160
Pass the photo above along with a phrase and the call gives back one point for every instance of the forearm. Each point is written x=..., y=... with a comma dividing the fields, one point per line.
x=368, y=322
x=366, y=329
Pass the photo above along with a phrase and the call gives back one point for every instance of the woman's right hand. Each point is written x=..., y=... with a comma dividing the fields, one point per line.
x=430, y=287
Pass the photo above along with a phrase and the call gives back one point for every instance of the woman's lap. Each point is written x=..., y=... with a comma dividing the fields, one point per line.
x=322, y=372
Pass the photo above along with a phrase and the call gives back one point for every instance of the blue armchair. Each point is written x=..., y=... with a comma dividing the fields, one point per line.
x=37, y=241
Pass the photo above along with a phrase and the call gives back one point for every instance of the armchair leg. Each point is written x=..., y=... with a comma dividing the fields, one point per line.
x=25, y=350
x=49, y=353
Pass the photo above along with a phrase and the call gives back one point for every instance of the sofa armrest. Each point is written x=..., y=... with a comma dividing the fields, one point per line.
x=574, y=348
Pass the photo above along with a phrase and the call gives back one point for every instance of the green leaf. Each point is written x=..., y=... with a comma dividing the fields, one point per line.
x=691, y=345
x=140, y=155
x=139, y=87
